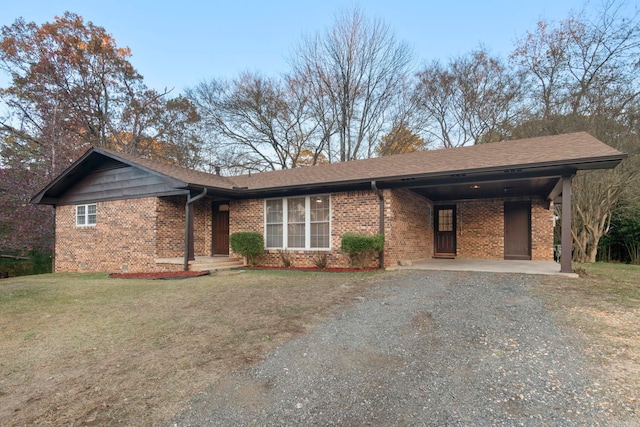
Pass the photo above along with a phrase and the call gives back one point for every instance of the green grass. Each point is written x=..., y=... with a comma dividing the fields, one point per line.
x=72, y=345
x=617, y=283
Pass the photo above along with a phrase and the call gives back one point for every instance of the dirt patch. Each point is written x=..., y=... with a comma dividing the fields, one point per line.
x=159, y=275
x=82, y=349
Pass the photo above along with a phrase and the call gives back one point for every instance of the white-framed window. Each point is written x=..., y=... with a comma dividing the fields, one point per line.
x=302, y=222
x=86, y=215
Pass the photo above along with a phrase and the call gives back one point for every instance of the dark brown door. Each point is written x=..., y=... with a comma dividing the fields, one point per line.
x=517, y=230
x=445, y=231
x=220, y=230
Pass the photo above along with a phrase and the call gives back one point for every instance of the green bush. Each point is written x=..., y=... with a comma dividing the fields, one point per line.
x=361, y=248
x=35, y=263
x=249, y=244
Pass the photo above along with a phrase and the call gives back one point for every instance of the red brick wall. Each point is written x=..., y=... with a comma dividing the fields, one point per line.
x=170, y=235
x=123, y=239
x=202, y=227
x=171, y=217
x=130, y=234
x=408, y=227
x=541, y=231
x=480, y=229
x=356, y=211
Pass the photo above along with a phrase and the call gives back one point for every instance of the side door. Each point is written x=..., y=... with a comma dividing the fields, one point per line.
x=445, y=230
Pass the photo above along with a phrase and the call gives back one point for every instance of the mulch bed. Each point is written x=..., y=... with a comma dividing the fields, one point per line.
x=318, y=270
x=160, y=275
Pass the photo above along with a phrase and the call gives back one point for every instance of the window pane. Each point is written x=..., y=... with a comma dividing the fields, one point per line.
x=319, y=208
x=320, y=235
x=274, y=211
x=445, y=220
x=295, y=238
x=295, y=209
x=91, y=216
x=80, y=212
x=274, y=235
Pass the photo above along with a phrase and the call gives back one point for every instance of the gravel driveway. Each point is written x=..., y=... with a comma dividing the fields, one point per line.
x=422, y=348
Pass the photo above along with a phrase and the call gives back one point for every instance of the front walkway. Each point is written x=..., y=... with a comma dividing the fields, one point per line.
x=495, y=266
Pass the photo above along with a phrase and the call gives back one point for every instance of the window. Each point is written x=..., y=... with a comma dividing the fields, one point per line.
x=445, y=220
x=298, y=223
x=86, y=214
x=274, y=225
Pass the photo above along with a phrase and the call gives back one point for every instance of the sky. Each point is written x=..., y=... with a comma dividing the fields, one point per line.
x=178, y=44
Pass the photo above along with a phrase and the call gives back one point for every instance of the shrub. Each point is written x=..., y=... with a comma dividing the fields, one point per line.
x=249, y=244
x=17, y=265
x=320, y=260
x=361, y=248
x=285, y=257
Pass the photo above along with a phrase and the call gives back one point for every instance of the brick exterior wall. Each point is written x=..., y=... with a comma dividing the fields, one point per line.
x=480, y=229
x=202, y=227
x=123, y=239
x=129, y=235
x=350, y=211
x=170, y=231
x=171, y=216
x=408, y=227
x=541, y=230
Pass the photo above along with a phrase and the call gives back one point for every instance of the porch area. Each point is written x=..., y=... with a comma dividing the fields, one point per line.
x=493, y=266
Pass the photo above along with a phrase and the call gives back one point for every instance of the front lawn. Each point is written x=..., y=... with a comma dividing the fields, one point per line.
x=82, y=349
x=604, y=304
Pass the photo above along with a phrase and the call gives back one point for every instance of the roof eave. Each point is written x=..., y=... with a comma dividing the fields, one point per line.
x=564, y=167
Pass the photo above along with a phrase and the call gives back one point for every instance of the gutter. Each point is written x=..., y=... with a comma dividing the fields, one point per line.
x=381, y=221
x=188, y=225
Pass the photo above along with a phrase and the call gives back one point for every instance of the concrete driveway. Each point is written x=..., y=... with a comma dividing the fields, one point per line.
x=494, y=266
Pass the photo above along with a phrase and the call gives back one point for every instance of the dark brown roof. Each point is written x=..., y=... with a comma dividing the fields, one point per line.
x=574, y=148
x=549, y=155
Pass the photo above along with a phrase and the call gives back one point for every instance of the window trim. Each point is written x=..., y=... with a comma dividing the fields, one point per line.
x=307, y=223
x=86, y=215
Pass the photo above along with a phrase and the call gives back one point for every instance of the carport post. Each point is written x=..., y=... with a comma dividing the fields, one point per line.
x=188, y=227
x=567, y=240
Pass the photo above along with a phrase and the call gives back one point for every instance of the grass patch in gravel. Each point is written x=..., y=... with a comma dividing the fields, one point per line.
x=82, y=349
x=604, y=304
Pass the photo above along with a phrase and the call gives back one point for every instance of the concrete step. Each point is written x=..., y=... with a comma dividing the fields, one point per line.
x=216, y=264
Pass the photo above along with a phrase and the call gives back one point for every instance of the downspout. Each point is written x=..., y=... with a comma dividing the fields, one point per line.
x=188, y=231
x=381, y=222
x=55, y=239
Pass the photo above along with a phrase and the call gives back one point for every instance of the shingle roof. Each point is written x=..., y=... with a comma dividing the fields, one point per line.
x=561, y=149
x=575, y=150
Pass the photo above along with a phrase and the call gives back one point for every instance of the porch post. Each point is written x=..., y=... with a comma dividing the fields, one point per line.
x=567, y=240
x=188, y=228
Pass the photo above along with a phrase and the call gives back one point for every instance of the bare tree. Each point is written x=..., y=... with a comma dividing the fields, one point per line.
x=265, y=122
x=582, y=76
x=355, y=70
x=470, y=101
x=583, y=65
